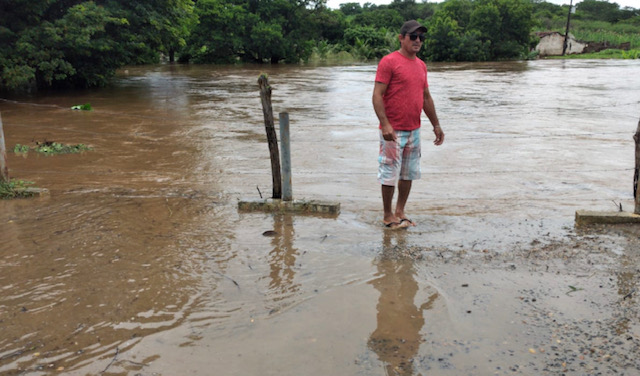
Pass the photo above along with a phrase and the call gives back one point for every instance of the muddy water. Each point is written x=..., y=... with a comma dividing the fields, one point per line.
x=137, y=262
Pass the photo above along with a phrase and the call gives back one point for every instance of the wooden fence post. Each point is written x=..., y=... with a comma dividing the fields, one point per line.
x=272, y=139
x=4, y=169
x=636, y=180
x=285, y=151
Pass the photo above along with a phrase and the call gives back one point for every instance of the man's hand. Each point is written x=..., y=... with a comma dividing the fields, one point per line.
x=439, y=135
x=387, y=132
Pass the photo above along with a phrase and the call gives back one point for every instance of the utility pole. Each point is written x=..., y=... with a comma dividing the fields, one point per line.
x=566, y=33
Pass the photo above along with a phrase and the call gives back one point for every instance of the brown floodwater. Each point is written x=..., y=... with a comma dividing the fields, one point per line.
x=138, y=261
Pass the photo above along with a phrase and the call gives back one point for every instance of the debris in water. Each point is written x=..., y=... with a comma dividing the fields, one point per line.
x=82, y=107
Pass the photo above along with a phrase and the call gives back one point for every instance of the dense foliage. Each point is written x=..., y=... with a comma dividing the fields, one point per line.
x=54, y=43
x=58, y=43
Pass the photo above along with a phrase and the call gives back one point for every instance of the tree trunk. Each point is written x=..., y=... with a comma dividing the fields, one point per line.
x=636, y=181
x=4, y=169
x=272, y=139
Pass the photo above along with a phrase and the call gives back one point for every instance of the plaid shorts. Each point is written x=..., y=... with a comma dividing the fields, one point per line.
x=400, y=159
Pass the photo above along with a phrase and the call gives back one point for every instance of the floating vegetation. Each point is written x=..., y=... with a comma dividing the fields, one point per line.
x=50, y=148
x=82, y=107
x=21, y=149
x=15, y=189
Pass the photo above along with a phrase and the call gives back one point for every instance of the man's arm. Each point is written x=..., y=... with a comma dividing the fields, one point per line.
x=430, y=110
x=378, y=106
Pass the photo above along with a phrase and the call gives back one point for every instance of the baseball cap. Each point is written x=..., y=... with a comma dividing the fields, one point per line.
x=411, y=26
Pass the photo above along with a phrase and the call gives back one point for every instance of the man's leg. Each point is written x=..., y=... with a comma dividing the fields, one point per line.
x=387, y=198
x=404, y=188
x=410, y=170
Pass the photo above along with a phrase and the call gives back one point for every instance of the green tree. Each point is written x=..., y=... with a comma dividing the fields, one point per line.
x=55, y=43
x=153, y=27
x=381, y=18
x=327, y=25
x=268, y=42
x=480, y=30
x=517, y=23
x=365, y=34
x=447, y=41
x=599, y=10
x=350, y=9
x=75, y=49
x=547, y=15
x=219, y=35
x=443, y=38
x=460, y=10
x=411, y=10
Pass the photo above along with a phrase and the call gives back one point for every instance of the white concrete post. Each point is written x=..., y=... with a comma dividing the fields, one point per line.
x=285, y=153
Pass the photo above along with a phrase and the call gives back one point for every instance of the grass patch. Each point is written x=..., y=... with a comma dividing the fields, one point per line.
x=614, y=34
x=15, y=189
x=604, y=54
x=51, y=148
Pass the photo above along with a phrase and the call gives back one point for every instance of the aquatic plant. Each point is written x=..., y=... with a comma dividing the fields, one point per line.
x=21, y=148
x=15, y=189
x=83, y=107
x=50, y=148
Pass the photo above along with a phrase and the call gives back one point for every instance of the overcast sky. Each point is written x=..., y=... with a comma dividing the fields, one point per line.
x=335, y=4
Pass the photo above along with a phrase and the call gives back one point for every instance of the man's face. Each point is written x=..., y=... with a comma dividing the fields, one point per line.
x=412, y=42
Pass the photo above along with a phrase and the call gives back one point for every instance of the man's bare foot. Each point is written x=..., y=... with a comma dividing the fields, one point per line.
x=408, y=222
x=395, y=225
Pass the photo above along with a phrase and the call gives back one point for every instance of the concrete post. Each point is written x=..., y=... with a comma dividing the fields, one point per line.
x=285, y=153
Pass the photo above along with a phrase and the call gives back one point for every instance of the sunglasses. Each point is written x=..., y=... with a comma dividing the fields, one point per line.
x=414, y=36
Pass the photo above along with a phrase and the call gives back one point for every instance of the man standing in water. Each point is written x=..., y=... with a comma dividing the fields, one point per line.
x=400, y=94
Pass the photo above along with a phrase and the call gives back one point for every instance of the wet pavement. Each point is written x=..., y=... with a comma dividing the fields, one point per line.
x=138, y=261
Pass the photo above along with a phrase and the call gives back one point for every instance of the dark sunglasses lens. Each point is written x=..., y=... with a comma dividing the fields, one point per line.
x=414, y=36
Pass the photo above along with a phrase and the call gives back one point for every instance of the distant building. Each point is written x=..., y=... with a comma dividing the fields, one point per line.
x=552, y=42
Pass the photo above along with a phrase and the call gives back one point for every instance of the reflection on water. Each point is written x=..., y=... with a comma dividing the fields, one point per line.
x=282, y=259
x=397, y=338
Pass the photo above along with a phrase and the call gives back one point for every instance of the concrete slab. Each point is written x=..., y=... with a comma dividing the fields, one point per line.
x=295, y=206
x=37, y=191
x=585, y=217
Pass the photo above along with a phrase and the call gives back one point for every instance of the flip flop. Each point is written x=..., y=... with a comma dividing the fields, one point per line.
x=411, y=223
x=394, y=225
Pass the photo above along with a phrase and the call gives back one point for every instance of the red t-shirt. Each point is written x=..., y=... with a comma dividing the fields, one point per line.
x=406, y=79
